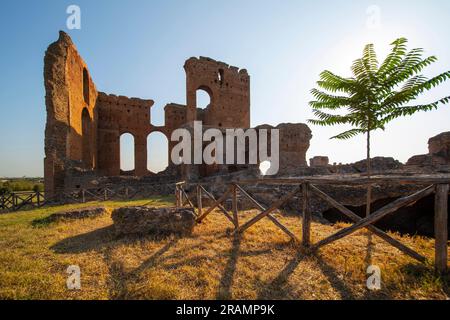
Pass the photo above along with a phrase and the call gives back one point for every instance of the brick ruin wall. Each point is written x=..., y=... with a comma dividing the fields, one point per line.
x=70, y=134
x=84, y=125
x=228, y=89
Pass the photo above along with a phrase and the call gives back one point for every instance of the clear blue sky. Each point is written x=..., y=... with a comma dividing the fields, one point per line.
x=137, y=48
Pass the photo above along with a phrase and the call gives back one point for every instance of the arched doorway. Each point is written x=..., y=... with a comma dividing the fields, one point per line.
x=127, y=162
x=86, y=139
x=157, y=152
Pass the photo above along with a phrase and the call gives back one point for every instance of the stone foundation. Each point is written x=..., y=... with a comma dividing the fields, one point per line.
x=153, y=221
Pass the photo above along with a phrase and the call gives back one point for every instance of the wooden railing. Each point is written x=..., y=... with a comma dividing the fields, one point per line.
x=16, y=201
x=305, y=187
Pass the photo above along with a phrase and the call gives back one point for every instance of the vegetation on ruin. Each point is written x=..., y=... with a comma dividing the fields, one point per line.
x=209, y=264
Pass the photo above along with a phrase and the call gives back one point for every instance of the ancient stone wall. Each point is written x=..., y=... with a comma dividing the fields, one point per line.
x=319, y=161
x=70, y=95
x=119, y=115
x=175, y=117
x=228, y=88
x=294, y=143
x=84, y=126
x=438, y=152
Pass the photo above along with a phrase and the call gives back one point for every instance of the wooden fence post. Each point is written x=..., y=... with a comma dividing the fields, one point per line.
x=440, y=227
x=177, y=201
x=83, y=196
x=180, y=196
x=235, y=206
x=199, y=201
x=306, y=225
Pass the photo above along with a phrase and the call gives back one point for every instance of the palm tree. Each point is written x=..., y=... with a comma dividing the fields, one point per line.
x=376, y=93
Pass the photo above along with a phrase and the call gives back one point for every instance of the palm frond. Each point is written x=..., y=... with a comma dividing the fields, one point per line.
x=370, y=62
x=411, y=91
x=348, y=134
x=394, y=58
x=410, y=110
x=327, y=119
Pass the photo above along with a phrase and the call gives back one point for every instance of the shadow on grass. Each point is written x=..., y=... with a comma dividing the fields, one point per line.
x=335, y=280
x=94, y=240
x=119, y=278
x=226, y=282
x=278, y=288
x=422, y=276
x=42, y=222
x=104, y=240
x=100, y=239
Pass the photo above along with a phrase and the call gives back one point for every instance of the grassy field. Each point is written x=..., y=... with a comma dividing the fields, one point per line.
x=209, y=264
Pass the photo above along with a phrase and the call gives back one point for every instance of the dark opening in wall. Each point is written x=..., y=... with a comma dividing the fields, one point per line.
x=220, y=76
x=86, y=136
x=417, y=218
x=86, y=86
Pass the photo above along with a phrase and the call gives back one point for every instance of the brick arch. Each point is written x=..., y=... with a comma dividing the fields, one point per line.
x=157, y=166
x=122, y=161
x=210, y=93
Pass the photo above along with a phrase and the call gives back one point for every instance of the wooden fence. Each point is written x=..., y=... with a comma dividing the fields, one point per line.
x=306, y=187
x=16, y=201
x=19, y=200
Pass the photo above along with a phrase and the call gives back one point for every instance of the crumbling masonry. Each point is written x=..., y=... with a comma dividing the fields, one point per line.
x=84, y=125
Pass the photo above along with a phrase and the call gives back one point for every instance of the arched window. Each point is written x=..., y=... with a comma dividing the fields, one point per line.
x=86, y=137
x=86, y=85
x=126, y=152
x=157, y=152
x=203, y=98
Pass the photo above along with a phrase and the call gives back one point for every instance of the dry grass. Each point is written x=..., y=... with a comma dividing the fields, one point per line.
x=210, y=264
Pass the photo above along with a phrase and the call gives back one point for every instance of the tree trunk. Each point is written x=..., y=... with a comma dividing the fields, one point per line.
x=369, y=173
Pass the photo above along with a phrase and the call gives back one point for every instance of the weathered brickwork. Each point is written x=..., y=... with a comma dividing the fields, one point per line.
x=70, y=132
x=438, y=152
x=228, y=89
x=84, y=125
x=119, y=115
x=319, y=161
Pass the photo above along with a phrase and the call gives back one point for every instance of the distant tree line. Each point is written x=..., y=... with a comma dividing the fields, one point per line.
x=9, y=186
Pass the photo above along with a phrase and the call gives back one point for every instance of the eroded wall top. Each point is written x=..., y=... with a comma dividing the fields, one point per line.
x=228, y=88
x=70, y=95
